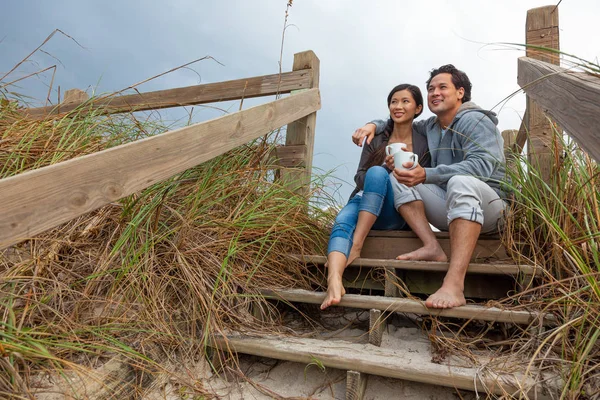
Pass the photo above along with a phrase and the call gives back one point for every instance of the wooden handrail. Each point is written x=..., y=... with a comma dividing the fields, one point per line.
x=571, y=98
x=257, y=86
x=38, y=200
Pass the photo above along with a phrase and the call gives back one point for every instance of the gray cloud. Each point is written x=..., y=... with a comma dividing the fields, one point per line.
x=365, y=49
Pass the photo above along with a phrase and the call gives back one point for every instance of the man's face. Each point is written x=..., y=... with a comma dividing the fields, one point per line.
x=442, y=96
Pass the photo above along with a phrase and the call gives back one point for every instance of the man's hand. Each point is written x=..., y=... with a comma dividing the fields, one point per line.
x=367, y=131
x=410, y=177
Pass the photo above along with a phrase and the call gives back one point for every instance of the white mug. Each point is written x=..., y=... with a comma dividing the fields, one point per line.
x=401, y=156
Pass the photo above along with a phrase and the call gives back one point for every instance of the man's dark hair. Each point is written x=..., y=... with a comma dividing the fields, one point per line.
x=459, y=79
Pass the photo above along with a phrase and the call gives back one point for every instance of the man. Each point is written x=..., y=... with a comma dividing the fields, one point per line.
x=461, y=192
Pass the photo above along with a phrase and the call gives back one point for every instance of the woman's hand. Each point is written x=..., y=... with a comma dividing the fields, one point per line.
x=389, y=162
x=367, y=131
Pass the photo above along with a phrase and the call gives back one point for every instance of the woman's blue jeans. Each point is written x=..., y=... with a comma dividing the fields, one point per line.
x=378, y=199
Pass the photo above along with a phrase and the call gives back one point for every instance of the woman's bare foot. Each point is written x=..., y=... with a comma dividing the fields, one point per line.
x=425, y=253
x=335, y=291
x=354, y=254
x=448, y=296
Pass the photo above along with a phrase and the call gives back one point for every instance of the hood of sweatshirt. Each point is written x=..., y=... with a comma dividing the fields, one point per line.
x=470, y=106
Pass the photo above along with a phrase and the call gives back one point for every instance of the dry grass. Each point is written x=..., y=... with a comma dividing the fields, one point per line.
x=166, y=267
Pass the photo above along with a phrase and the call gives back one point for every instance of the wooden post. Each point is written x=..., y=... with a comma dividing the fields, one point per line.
x=75, y=96
x=356, y=384
x=302, y=131
x=541, y=31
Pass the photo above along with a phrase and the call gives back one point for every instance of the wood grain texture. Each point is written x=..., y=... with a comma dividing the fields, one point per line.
x=302, y=131
x=266, y=85
x=403, y=305
x=356, y=384
x=571, y=98
x=38, y=200
x=541, y=30
x=488, y=269
x=390, y=247
x=521, y=138
x=393, y=363
x=377, y=324
x=75, y=96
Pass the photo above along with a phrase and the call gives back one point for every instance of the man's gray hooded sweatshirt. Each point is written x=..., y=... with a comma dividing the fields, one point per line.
x=472, y=145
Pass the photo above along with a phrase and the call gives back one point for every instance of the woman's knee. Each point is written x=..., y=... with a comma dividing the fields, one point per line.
x=376, y=180
x=377, y=172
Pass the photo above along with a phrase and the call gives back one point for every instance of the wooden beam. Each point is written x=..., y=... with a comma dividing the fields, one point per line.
x=541, y=30
x=403, y=305
x=246, y=88
x=288, y=156
x=377, y=325
x=488, y=269
x=571, y=98
x=521, y=138
x=75, y=96
x=41, y=199
x=356, y=384
x=398, y=363
x=302, y=131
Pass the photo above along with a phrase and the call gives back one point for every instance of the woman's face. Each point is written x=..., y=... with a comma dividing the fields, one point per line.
x=403, y=107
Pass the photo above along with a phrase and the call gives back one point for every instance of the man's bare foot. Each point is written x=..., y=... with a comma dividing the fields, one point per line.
x=425, y=254
x=448, y=296
x=335, y=291
x=354, y=254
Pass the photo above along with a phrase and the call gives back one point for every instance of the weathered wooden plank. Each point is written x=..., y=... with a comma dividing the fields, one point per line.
x=541, y=30
x=356, y=384
x=246, y=88
x=427, y=282
x=392, y=363
x=571, y=98
x=75, y=96
x=383, y=247
x=377, y=325
x=288, y=156
x=474, y=268
x=302, y=131
x=476, y=285
x=38, y=200
x=403, y=305
x=521, y=138
x=438, y=235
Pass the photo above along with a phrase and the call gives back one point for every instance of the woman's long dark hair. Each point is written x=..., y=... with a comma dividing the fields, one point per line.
x=378, y=156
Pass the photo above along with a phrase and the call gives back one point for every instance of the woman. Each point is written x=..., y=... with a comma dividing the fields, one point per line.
x=371, y=205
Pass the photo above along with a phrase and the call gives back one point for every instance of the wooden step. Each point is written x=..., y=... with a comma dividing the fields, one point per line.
x=474, y=268
x=393, y=363
x=425, y=282
x=389, y=244
x=403, y=305
x=483, y=281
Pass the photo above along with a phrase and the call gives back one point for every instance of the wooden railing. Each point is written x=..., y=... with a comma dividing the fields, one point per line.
x=36, y=201
x=569, y=98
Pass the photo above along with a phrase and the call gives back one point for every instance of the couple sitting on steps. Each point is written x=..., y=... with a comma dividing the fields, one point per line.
x=455, y=186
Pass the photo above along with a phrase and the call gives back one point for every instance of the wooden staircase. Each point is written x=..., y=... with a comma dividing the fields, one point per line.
x=386, y=280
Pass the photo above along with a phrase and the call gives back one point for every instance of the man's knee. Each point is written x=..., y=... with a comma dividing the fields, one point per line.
x=464, y=185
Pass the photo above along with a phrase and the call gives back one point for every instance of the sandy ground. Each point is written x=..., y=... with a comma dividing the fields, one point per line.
x=264, y=378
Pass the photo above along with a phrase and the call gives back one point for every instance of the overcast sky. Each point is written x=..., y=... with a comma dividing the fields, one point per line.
x=365, y=48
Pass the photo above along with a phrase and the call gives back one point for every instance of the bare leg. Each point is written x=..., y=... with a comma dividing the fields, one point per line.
x=414, y=215
x=335, y=289
x=463, y=239
x=363, y=226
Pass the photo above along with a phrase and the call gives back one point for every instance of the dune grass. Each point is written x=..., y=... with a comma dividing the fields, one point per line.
x=556, y=226
x=165, y=267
